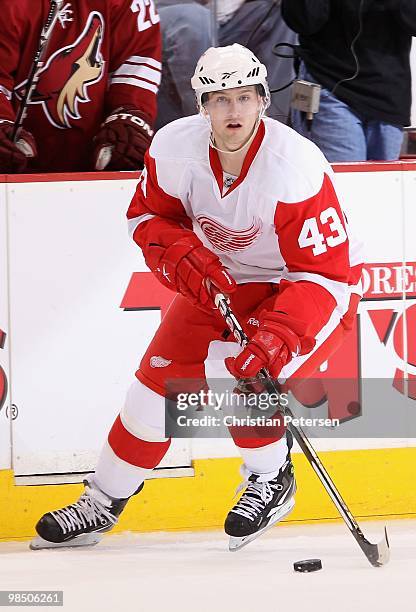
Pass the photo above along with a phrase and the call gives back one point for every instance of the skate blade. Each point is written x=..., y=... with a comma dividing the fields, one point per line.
x=237, y=543
x=88, y=539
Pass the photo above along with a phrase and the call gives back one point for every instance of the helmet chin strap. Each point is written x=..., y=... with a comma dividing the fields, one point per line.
x=247, y=142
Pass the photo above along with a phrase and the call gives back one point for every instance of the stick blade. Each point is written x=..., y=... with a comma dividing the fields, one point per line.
x=377, y=554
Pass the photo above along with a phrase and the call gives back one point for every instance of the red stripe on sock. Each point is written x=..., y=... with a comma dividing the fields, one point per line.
x=133, y=450
x=253, y=442
x=256, y=437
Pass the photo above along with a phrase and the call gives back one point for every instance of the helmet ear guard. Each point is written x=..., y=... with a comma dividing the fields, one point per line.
x=202, y=108
x=204, y=98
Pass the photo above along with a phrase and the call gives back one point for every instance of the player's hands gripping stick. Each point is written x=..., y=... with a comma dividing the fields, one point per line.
x=271, y=348
x=187, y=265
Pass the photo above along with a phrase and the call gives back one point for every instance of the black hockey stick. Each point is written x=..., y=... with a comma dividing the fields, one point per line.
x=377, y=554
x=36, y=66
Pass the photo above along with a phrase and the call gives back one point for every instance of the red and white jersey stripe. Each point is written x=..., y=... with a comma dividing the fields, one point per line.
x=139, y=71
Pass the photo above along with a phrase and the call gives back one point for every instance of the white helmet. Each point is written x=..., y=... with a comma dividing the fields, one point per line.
x=227, y=67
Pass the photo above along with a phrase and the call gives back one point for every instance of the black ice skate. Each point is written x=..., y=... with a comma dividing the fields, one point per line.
x=81, y=523
x=266, y=500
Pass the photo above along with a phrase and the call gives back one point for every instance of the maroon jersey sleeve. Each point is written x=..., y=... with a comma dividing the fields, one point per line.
x=155, y=217
x=135, y=65
x=13, y=25
x=314, y=243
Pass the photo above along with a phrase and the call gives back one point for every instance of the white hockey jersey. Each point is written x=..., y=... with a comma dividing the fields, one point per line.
x=279, y=222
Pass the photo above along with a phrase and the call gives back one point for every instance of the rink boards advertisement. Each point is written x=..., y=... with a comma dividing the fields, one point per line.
x=83, y=308
x=381, y=207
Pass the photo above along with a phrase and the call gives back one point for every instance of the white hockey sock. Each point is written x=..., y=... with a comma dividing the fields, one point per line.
x=116, y=477
x=143, y=415
x=266, y=458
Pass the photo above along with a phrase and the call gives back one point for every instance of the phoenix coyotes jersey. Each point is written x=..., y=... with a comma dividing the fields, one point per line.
x=102, y=55
x=280, y=221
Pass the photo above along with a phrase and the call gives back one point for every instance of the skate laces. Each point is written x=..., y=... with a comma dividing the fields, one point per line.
x=258, y=493
x=87, y=511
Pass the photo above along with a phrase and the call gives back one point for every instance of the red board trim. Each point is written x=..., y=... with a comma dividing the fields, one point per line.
x=69, y=176
x=395, y=166
x=398, y=166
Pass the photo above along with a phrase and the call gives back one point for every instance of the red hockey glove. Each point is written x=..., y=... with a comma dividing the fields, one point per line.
x=122, y=141
x=14, y=156
x=272, y=347
x=186, y=265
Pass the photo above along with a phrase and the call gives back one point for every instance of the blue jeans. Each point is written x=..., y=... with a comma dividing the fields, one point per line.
x=186, y=36
x=342, y=135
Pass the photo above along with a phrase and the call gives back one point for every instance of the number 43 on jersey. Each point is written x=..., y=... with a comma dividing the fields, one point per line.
x=311, y=236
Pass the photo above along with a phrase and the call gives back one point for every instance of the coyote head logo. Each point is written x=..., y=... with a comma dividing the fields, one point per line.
x=64, y=80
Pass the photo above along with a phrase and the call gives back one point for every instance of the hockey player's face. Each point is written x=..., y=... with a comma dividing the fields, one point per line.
x=233, y=114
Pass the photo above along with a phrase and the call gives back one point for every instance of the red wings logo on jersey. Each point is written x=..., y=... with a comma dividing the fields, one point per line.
x=68, y=73
x=228, y=240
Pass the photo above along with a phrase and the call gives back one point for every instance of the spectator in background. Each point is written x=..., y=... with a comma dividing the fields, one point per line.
x=186, y=31
x=95, y=102
x=358, y=51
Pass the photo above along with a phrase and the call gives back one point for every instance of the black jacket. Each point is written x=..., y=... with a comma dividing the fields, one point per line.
x=382, y=88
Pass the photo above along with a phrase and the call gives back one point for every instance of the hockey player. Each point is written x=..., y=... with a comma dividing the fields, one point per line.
x=95, y=101
x=231, y=197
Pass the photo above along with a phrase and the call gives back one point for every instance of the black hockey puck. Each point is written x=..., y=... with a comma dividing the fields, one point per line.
x=307, y=565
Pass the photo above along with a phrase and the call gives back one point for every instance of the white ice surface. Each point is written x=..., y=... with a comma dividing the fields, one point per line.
x=195, y=572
